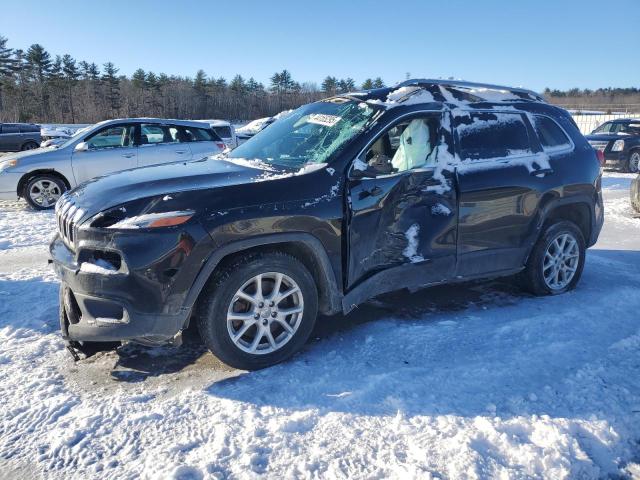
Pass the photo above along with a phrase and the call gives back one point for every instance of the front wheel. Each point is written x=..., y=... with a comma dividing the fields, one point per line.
x=258, y=311
x=556, y=262
x=634, y=162
x=43, y=191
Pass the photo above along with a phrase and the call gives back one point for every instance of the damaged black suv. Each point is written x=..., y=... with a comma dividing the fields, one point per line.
x=425, y=183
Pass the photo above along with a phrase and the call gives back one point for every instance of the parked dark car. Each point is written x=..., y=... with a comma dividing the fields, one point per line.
x=619, y=140
x=15, y=137
x=426, y=183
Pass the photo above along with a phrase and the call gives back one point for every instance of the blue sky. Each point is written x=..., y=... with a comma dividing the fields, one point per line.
x=555, y=43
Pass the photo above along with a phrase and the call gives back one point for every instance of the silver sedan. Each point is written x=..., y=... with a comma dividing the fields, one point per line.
x=41, y=176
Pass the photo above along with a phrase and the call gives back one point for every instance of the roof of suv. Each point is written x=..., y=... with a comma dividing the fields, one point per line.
x=451, y=92
x=184, y=123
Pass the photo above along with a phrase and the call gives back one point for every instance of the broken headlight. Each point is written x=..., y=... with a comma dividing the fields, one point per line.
x=141, y=214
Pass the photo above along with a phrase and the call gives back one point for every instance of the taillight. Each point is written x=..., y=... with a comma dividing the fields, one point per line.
x=221, y=145
x=600, y=155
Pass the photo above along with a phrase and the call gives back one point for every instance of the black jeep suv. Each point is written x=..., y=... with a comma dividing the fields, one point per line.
x=425, y=183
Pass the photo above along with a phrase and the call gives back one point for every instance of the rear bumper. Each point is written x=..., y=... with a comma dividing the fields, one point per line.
x=615, y=159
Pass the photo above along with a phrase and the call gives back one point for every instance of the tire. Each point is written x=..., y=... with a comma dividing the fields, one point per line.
x=220, y=301
x=533, y=277
x=29, y=146
x=43, y=190
x=633, y=163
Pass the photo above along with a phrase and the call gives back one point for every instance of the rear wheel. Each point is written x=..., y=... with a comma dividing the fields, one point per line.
x=29, y=146
x=556, y=262
x=43, y=191
x=258, y=311
x=634, y=162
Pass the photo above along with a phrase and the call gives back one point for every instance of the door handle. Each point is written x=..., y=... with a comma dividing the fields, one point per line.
x=180, y=152
x=128, y=155
x=541, y=172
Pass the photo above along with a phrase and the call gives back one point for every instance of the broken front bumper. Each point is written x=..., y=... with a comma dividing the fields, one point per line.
x=142, y=301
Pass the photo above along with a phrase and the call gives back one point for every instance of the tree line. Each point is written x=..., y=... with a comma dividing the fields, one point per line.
x=606, y=99
x=38, y=87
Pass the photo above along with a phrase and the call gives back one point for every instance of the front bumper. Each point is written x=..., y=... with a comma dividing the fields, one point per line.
x=9, y=185
x=616, y=159
x=143, y=300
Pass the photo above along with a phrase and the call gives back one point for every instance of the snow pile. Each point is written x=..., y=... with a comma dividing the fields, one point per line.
x=440, y=209
x=411, y=250
x=404, y=96
x=100, y=266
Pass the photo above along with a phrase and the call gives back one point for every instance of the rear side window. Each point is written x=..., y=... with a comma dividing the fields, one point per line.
x=10, y=128
x=223, y=132
x=193, y=134
x=29, y=128
x=487, y=135
x=551, y=136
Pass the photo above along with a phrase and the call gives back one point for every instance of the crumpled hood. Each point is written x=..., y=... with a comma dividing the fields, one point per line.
x=114, y=189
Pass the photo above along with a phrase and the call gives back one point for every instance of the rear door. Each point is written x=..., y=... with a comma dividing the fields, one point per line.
x=202, y=141
x=501, y=178
x=10, y=139
x=110, y=149
x=162, y=144
x=406, y=215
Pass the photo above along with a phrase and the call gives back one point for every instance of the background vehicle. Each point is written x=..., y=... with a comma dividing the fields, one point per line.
x=250, y=129
x=53, y=136
x=41, y=176
x=226, y=131
x=619, y=140
x=15, y=137
x=343, y=200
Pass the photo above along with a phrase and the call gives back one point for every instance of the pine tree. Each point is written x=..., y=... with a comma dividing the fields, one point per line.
x=71, y=76
x=112, y=83
x=329, y=85
x=7, y=60
x=8, y=66
x=39, y=66
x=378, y=83
x=346, y=85
x=367, y=84
x=238, y=85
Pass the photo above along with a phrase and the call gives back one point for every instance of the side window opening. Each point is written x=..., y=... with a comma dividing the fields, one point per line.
x=116, y=136
x=489, y=135
x=551, y=136
x=405, y=146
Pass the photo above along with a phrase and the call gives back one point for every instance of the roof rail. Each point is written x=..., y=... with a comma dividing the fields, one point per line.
x=465, y=84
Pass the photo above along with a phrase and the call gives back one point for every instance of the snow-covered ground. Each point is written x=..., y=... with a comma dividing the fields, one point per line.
x=465, y=381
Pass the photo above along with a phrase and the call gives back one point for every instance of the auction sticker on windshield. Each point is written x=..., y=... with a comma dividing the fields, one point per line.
x=323, y=119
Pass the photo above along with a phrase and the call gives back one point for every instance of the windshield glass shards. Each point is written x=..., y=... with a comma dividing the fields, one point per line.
x=311, y=134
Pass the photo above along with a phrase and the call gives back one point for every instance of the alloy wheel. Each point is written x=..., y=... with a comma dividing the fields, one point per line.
x=634, y=162
x=265, y=313
x=44, y=193
x=560, y=261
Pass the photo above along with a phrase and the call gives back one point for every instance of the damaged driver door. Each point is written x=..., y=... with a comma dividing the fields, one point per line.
x=402, y=208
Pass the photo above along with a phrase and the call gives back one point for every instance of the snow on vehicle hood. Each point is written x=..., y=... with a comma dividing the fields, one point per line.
x=119, y=188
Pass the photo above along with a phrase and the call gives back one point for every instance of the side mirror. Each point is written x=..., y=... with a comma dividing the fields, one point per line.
x=82, y=147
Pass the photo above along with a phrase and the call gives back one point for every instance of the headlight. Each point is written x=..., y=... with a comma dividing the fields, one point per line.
x=154, y=220
x=8, y=164
x=618, y=146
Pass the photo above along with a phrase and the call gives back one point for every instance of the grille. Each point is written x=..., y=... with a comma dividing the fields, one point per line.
x=67, y=214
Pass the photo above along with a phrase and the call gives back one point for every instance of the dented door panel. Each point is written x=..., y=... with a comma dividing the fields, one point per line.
x=403, y=219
